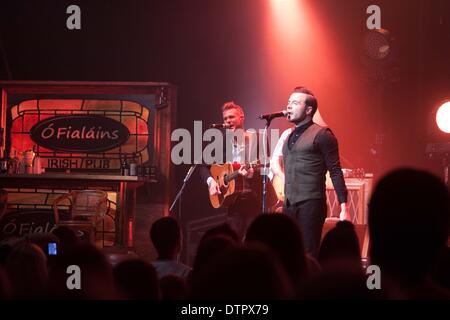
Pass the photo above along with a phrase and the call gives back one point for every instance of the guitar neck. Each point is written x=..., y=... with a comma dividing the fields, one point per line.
x=233, y=175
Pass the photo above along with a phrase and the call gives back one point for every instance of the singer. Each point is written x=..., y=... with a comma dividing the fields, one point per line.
x=247, y=204
x=301, y=159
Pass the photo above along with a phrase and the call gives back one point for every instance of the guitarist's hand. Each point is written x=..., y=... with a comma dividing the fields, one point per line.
x=213, y=188
x=248, y=173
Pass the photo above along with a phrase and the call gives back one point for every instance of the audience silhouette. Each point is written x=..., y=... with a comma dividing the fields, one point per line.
x=409, y=215
x=166, y=237
x=282, y=234
x=136, y=279
x=408, y=225
x=340, y=244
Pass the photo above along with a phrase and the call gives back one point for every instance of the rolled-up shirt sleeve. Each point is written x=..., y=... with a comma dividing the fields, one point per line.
x=327, y=143
x=278, y=151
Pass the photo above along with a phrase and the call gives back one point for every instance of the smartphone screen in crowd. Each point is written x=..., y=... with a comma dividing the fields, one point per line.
x=52, y=250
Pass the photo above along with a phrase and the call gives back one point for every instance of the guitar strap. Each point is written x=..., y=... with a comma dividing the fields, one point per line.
x=251, y=146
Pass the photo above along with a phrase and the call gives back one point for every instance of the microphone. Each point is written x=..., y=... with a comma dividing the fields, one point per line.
x=220, y=126
x=270, y=116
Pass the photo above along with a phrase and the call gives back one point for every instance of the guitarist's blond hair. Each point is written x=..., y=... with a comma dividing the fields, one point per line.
x=231, y=105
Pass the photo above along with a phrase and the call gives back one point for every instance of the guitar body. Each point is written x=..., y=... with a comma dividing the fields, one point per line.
x=231, y=184
x=228, y=194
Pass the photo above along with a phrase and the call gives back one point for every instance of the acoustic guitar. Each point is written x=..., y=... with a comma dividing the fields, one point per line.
x=225, y=176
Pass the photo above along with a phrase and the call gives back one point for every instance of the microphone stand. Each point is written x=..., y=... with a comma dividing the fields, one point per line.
x=178, y=196
x=265, y=166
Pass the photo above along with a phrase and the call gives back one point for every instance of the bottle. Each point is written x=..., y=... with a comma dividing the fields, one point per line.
x=28, y=158
x=124, y=170
x=13, y=163
x=4, y=165
x=20, y=163
x=133, y=166
x=37, y=166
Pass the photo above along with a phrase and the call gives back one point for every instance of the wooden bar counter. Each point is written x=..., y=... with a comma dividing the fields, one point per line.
x=125, y=186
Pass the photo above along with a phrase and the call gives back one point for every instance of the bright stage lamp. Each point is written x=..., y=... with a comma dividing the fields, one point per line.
x=443, y=117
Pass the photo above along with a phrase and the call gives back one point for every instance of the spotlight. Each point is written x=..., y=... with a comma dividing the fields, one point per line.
x=440, y=150
x=377, y=44
x=379, y=55
x=443, y=117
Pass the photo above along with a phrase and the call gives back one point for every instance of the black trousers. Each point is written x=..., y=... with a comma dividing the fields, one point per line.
x=310, y=215
x=241, y=214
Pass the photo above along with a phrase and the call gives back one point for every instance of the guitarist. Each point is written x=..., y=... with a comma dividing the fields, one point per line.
x=247, y=204
x=301, y=159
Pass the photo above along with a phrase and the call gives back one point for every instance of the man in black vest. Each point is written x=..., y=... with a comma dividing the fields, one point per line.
x=308, y=152
x=247, y=204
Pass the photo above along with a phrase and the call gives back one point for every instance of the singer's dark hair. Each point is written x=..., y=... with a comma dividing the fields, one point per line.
x=232, y=105
x=310, y=101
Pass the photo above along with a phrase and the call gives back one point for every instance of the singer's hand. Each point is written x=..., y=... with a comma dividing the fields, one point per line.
x=248, y=173
x=345, y=213
x=214, y=188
